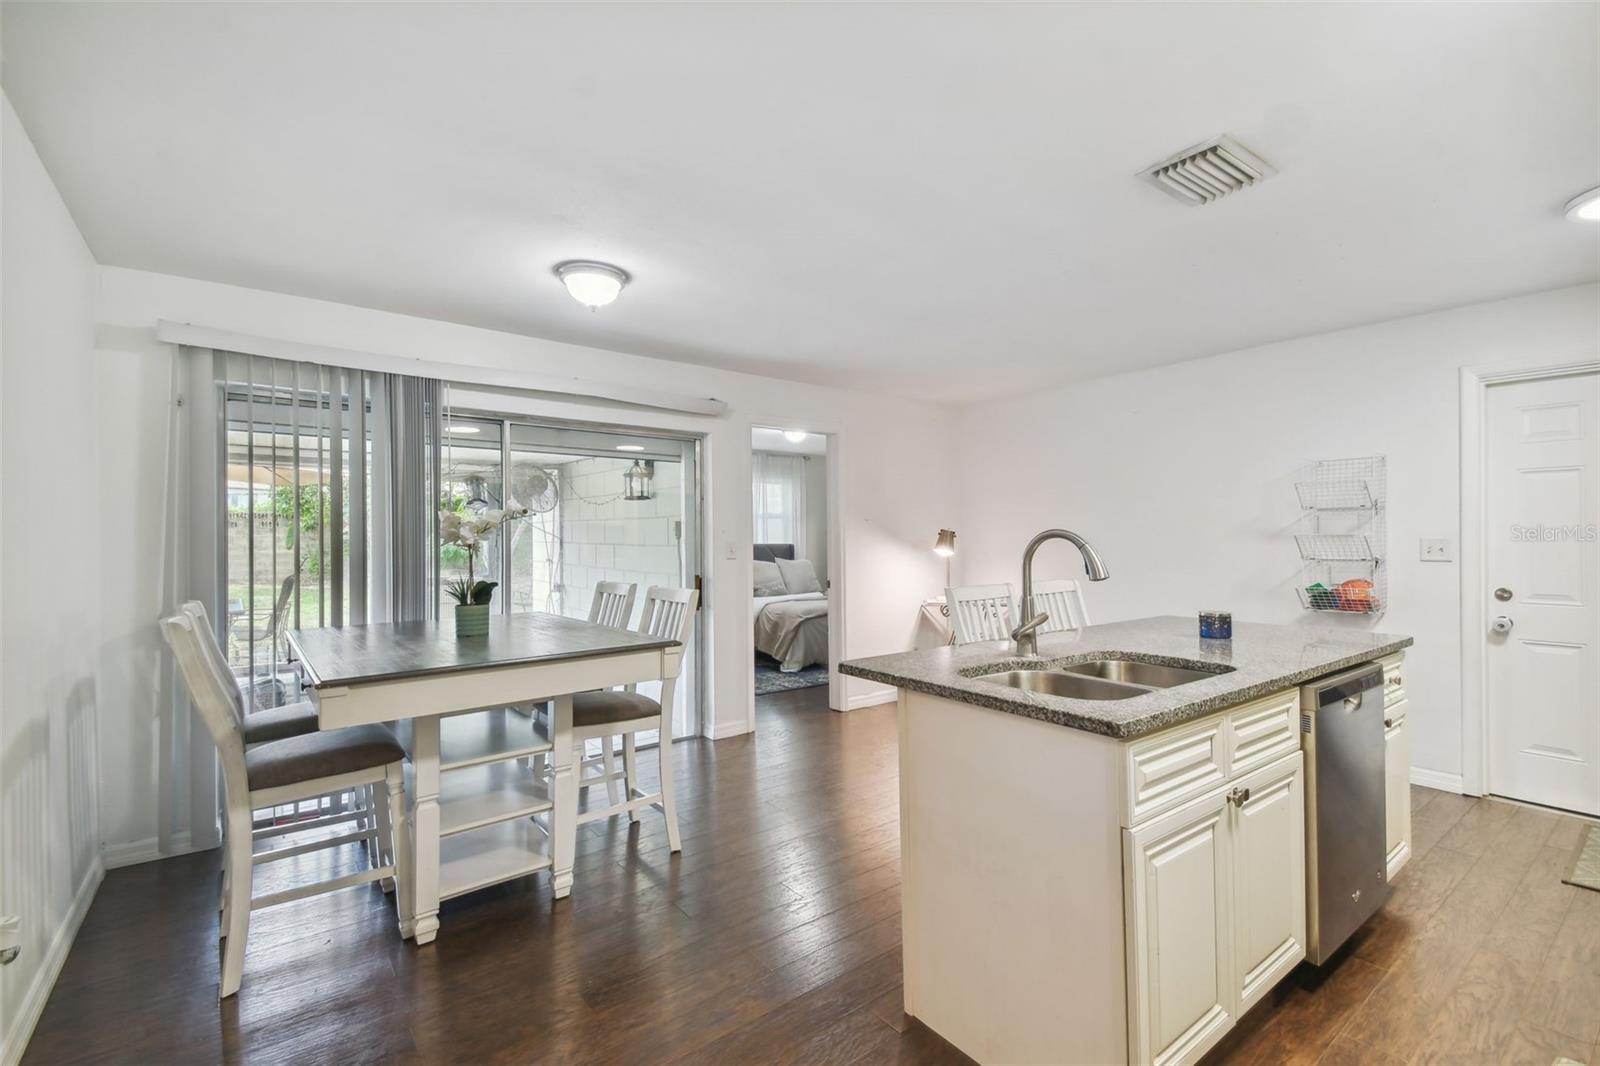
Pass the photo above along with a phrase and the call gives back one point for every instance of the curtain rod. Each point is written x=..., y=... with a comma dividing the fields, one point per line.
x=560, y=388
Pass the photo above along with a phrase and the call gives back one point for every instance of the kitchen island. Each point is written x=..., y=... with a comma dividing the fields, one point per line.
x=1103, y=846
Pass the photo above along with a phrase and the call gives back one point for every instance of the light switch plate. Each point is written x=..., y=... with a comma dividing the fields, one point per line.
x=1435, y=550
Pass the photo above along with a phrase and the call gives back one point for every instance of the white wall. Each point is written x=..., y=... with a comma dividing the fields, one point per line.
x=50, y=530
x=895, y=495
x=1182, y=476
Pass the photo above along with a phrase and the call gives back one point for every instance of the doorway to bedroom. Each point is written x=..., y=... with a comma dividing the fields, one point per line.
x=792, y=582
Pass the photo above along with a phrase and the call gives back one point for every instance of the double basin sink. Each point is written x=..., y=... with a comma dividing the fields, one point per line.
x=1104, y=679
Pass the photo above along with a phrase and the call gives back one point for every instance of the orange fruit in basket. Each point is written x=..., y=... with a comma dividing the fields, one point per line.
x=1354, y=595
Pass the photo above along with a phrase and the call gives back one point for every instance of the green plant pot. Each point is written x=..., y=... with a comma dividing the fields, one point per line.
x=472, y=619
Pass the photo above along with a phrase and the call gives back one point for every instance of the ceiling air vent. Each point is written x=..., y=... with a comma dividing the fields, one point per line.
x=1209, y=171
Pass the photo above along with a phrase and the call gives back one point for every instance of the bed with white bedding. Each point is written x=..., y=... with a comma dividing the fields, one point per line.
x=791, y=609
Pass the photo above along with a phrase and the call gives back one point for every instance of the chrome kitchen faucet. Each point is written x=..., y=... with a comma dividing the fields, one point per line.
x=1025, y=635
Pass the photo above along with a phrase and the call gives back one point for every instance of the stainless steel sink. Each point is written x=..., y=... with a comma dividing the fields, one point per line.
x=1072, y=686
x=1102, y=679
x=1150, y=675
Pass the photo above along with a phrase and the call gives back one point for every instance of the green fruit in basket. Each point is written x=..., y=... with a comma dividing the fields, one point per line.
x=1322, y=598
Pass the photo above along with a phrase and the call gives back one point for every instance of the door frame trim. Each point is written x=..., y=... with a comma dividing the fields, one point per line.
x=834, y=453
x=1475, y=385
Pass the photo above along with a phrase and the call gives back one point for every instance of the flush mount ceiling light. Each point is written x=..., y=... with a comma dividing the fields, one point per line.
x=1585, y=207
x=795, y=436
x=630, y=447
x=591, y=284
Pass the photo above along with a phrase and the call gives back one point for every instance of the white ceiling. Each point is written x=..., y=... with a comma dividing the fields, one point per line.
x=932, y=200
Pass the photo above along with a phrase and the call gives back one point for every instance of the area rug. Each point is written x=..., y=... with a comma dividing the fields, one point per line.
x=1586, y=861
x=770, y=679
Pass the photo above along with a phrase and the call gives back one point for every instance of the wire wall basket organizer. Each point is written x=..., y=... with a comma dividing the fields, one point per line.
x=1341, y=536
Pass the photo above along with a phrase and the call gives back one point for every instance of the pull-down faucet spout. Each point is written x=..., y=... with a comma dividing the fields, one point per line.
x=1026, y=635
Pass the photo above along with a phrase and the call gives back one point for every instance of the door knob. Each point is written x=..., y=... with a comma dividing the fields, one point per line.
x=1502, y=594
x=1501, y=624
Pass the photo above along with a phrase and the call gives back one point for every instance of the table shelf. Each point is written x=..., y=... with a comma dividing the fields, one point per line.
x=480, y=796
x=487, y=856
x=482, y=737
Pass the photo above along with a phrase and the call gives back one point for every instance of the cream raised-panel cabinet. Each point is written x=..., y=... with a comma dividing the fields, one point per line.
x=1215, y=910
x=1269, y=878
x=1180, y=932
x=1396, y=767
x=1397, y=788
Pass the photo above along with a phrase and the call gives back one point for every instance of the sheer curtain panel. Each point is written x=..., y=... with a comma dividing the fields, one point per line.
x=778, y=492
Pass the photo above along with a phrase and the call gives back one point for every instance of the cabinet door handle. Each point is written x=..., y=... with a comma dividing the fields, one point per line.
x=1239, y=797
x=1388, y=723
x=1395, y=682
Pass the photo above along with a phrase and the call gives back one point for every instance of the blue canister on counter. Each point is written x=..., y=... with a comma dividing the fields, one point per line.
x=1216, y=625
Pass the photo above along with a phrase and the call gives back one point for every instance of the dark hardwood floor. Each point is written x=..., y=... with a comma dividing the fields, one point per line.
x=1482, y=956
x=775, y=938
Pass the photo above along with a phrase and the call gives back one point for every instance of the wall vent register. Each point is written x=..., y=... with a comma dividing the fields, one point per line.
x=1209, y=171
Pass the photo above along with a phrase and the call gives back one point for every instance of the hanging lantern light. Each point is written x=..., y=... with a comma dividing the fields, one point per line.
x=636, y=482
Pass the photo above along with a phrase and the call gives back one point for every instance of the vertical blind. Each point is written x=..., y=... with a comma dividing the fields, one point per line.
x=327, y=477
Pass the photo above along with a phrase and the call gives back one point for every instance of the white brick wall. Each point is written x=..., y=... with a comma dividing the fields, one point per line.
x=607, y=538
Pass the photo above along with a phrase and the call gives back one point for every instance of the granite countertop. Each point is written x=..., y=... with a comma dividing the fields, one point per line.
x=1264, y=659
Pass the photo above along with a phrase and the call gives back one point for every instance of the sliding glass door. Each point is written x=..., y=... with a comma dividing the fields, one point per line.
x=606, y=505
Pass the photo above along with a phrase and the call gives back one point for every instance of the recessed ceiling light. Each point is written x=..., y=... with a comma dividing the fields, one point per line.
x=1585, y=207
x=591, y=284
x=465, y=429
x=794, y=436
x=630, y=447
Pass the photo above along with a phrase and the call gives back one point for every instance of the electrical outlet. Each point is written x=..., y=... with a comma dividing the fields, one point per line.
x=1435, y=550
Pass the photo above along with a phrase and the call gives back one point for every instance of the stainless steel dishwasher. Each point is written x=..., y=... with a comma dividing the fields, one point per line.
x=1341, y=733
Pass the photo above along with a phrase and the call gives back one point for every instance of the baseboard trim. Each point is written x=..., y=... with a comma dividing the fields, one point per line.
x=133, y=852
x=874, y=698
x=724, y=730
x=55, y=957
x=1436, y=779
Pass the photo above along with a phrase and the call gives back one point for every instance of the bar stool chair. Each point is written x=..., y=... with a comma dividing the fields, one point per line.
x=612, y=606
x=1062, y=601
x=667, y=613
x=285, y=771
x=279, y=723
x=980, y=612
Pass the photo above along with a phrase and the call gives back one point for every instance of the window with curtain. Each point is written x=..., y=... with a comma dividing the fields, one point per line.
x=324, y=480
x=325, y=496
x=778, y=493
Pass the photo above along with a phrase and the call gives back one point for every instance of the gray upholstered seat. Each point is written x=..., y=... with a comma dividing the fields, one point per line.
x=598, y=708
x=276, y=723
x=305, y=758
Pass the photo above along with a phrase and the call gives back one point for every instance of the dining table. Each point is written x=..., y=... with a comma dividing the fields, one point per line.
x=479, y=814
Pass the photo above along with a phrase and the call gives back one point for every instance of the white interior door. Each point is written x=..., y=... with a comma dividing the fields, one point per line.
x=1542, y=482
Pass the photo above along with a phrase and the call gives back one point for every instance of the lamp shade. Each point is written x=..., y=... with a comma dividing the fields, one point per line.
x=946, y=544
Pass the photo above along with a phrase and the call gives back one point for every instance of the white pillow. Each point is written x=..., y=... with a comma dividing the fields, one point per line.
x=768, y=579
x=799, y=576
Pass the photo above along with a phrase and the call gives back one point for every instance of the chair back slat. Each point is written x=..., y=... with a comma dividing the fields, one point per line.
x=213, y=697
x=980, y=612
x=1062, y=600
x=613, y=603
x=668, y=613
x=212, y=651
